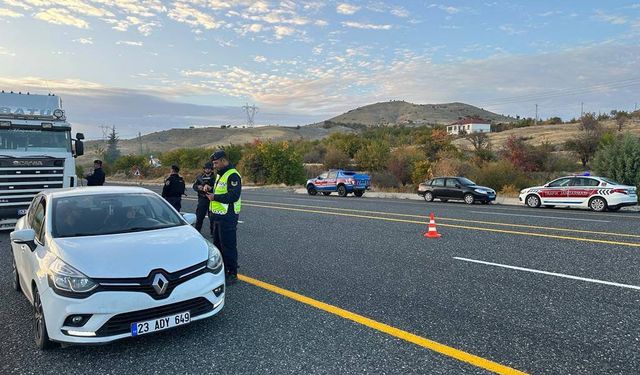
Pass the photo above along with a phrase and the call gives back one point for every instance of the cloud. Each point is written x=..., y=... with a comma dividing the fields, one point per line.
x=193, y=17
x=321, y=23
x=400, y=12
x=4, y=12
x=446, y=8
x=84, y=40
x=6, y=52
x=260, y=59
x=366, y=26
x=129, y=43
x=282, y=31
x=509, y=29
x=610, y=18
x=347, y=9
x=17, y=4
x=61, y=17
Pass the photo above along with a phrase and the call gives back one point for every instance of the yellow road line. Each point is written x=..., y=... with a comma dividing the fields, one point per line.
x=442, y=218
x=631, y=244
x=381, y=327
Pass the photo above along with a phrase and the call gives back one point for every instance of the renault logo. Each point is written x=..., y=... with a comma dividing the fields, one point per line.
x=160, y=284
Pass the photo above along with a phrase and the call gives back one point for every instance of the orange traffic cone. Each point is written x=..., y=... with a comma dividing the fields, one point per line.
x=432, y=232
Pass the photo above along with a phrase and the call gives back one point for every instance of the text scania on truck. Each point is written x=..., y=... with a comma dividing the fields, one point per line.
x=36, y=151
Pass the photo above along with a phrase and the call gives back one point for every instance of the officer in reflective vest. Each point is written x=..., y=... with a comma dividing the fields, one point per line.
x=224, y=208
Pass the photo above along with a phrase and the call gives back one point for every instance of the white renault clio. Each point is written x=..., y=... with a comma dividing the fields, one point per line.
x=104, y=263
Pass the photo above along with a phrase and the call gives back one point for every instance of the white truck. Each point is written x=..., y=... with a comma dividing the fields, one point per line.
x=36, y=151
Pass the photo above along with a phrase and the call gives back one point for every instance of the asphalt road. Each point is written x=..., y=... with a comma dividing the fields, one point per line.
x=505, y=288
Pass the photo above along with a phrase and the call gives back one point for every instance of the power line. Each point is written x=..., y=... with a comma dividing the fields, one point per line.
x=562, y=92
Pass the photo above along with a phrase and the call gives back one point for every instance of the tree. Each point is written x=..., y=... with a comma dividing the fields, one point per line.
x=621, y=118
x=401, y=163
x=112, y=153
x=335, y=158
x=586, y=144
x=620, y=160
x=518, y=153
x=479, y=141
x=373, y=157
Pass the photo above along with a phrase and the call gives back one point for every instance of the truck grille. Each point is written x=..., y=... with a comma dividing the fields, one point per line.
x=22, y=179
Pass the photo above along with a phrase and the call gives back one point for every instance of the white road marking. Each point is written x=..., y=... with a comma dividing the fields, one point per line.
x=540, y=216
x=550, y=273
x=240, y=222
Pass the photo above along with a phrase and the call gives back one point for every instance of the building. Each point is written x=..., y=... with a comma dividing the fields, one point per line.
x=469, y=125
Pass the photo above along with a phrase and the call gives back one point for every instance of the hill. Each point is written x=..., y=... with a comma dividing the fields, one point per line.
x=404, y=113
x=555, y=135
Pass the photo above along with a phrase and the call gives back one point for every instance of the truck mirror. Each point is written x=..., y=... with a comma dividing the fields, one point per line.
x=79, y=148
x=80, y=136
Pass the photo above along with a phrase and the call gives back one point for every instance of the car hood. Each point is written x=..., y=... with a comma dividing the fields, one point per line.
x=133, y=254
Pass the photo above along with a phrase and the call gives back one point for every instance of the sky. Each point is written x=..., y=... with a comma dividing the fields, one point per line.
x=149, y=65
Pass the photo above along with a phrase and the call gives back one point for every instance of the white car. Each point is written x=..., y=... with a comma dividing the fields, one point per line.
x=597, y=193
x=100, y=264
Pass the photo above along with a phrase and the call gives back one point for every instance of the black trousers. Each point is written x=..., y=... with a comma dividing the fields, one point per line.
x=176, y=202
x=202, y=210
x=224, y=237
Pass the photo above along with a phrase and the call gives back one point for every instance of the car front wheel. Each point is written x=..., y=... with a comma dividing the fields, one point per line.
x=428, y=196
x=533, y=201
x=40, y=326
x=469, y=199
x=312, y=190
x=598, y=204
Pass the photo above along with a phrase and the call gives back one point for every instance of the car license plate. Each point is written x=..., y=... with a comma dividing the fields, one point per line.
x=22, y=211
x=141, y=328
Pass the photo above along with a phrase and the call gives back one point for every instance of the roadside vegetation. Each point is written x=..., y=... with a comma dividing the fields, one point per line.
x=400, y=157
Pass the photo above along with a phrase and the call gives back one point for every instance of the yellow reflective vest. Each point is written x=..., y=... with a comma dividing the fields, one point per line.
x=218, y=208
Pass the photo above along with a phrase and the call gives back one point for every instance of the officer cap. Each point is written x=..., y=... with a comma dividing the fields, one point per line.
x=97, y=161
x=175, y=168
x=218, y=155
x=208, y=165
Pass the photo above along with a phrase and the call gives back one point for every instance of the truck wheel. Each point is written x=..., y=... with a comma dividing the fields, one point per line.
x=326, y=193
x=358, y=193
x=598, y=204
x=533, y=201
x=342, y=191
x=469, y=199
x=40, y=326
x=312, y=190
x=428, y=196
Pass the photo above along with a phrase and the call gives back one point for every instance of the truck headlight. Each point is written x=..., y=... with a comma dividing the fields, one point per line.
x=66, y=278
x=214, y=263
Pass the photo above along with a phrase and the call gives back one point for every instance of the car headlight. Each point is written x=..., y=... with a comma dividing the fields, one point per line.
x=66, y=278
x=215, y=259
x=480, y=191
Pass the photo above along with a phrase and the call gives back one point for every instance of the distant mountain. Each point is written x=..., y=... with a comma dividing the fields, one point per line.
x=207, y=138
x=404, y=113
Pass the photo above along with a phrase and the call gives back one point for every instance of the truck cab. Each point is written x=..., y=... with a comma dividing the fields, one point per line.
x=36, y=151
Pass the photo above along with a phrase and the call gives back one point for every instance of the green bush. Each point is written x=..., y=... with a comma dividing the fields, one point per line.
x=272, y=163
x=620, y=160
x=500, y=174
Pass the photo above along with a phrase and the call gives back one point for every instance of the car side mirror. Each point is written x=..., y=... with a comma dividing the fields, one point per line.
x=190, y=218
x=24, y=237
x=80, y=136
x=458, y=186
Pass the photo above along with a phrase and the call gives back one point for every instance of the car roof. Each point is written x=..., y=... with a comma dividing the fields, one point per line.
x=94, y=190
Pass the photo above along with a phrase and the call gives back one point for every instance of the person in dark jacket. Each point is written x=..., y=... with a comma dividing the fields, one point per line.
x=203, y=185
x=97, y=177
x=173, y=188
x=224, y=207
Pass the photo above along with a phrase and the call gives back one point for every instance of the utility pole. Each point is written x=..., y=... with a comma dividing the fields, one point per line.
x=140, y=142
x=536, y=120
x=581, y=109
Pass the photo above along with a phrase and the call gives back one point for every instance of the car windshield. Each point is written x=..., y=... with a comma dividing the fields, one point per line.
x=466, y=181
x=100, y=214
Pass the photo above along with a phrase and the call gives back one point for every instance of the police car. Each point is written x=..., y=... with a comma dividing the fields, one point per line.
x=596, y=193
